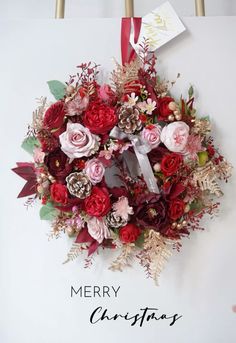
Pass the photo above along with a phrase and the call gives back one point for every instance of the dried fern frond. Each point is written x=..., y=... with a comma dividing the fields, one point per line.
x=224, y=170
x=155, y=253
x=39, y=113
x=124, y=259
x=201, y=126
x=75, y=250
x=206, y=179
x=124, y=74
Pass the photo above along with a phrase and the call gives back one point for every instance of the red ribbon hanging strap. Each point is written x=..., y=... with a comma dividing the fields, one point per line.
x=127, y=51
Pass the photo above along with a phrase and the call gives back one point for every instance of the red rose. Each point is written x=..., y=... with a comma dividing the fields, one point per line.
x=100, y=118
x=176, y=209
x=170, y=163
x=59, y=193
x=54, y=116
x=129, y=233
x=163, y=108
x=98, y=203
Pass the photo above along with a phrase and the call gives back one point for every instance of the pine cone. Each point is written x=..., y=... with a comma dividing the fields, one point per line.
x=115, y=221
x=79, y=185
x=129, y=121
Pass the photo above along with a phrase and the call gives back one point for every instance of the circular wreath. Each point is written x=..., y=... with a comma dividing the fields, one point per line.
x=123, y=165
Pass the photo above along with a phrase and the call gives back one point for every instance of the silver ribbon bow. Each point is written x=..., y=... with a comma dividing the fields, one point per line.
x=141, y=149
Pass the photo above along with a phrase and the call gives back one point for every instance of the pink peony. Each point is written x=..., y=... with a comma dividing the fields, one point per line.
x=95, y=170
x=175, y=136
x=77, y=141
x=97, y=229
x=151, y=135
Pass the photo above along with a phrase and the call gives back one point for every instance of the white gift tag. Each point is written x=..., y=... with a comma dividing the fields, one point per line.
x=159, y=27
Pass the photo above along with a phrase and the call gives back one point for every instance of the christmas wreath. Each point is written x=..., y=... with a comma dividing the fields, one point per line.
x=123, y=165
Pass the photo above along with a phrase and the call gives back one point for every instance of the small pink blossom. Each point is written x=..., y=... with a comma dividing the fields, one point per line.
x=193, y=146
x=38, y=155
x=98, y=229
x=95, y=170
x=105, y=92
x=122, y=208
x=107, y=154
x=77, y=105
x=124, y=147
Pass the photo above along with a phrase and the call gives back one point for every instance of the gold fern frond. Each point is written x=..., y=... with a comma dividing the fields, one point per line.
x=124, y=259
x=122, y=75
x=75, y=250
x=156, y=251
x=206, y=179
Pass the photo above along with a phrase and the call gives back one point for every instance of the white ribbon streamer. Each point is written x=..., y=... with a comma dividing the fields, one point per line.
x=141, y=149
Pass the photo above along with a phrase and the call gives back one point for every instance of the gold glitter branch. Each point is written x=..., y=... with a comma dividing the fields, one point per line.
x=156, y=252
x=123, y=260
x=75, y=250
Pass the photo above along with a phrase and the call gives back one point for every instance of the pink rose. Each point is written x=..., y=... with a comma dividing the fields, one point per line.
x=151, y=135
x=175, y=136
x=77, y=141
x=95, y=170
x=97, y=229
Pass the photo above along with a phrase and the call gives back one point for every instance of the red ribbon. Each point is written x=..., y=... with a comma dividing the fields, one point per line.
x=127, y=51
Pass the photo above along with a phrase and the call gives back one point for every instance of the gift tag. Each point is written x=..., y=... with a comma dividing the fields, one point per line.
x=159, y=27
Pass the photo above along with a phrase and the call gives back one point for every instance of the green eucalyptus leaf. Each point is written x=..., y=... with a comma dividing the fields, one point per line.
x=139, y=242
x=190, y=92
x=57, y=88
x=29, y=144
x=48, y=212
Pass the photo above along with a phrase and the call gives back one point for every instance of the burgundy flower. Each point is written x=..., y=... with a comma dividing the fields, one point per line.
x=151, y=212
x=58, y=164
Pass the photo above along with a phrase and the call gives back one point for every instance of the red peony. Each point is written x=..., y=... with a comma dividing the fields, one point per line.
x=98, y=203
x=129, y=233
x=163, y=108
x=58, y=164
x=59, y=193
x=100, y=118
x=176, y=209
x=54, y=116
x=170, y=163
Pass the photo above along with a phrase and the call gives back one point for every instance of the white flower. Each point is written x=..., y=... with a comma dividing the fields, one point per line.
x=122, y=208
x=175, y=136
x=98, y=229
x=150, y=106
x=77, y=141
x=132, y=100
x=147, y=106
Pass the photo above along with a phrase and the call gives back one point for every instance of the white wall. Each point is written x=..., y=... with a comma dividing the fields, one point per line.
x=198, y=283
x=105, y=8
